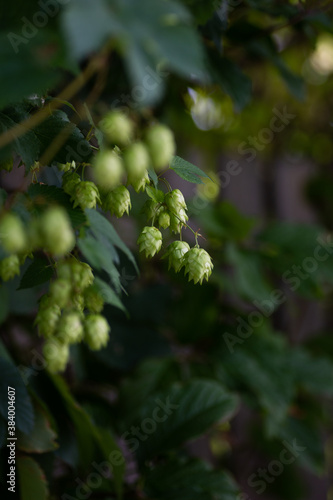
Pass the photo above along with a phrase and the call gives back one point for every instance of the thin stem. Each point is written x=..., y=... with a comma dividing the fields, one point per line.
x=166, y=183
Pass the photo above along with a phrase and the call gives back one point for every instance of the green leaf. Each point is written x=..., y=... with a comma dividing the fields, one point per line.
x=109, y=295
x=41, y=439
x=99, y=258
x=155, y=194
x=37, y=273
x=153, y=176
x=189, y=411
x=191, y=480
x=99, y=225
x=187, y=170
x=32, y=479
x=24, y=71
x=24, y=410
x=232, y=80
x=58, y=126
x=47, y=194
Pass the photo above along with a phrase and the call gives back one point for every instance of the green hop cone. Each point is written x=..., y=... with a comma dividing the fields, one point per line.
x=9, y=267
x=138, y=183
x=55, y=230
x=136, y=160
x=177, y=221
x=60, y=292
x=175, y=252
x=79, y=274
x=86, y=195
x=150, y=241
x=161, y=145
x=93, y=300
x=66, y=167
x=118, y=201
x=198, y=265
x=164, y=219
x=56, y=355
x=108, y=169
x=70, y=180
x=96, y=331
x=13, y=237
x=70, y=328
x=175, y=201
x=47, y=317
x=117, y=127
x=76, y=302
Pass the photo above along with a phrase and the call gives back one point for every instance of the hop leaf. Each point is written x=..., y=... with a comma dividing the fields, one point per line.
x=108, y=169
x=150, y=241
x=198, y=265
x=161, y=145
x=70, y=328
x=9, y=267
x=12, y=234
x=56, y=355
x=56, y=233
x=175, y=252
x=86, y=195
x=118, y=201
x=96, y=330
x=117, y=127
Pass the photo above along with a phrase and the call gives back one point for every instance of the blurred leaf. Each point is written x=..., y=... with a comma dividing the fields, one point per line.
x=100, y=226
x=11, y=377
x=41, y=439
x=109, y=295
x=32, y=479
x=186, y=170
x=189, y=410
x=192, y=480
x=37, y=273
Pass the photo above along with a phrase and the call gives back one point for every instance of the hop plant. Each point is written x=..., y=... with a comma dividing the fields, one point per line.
x=70, y=327
x=9, y=267
x=93, y=300
x=108, y=169
x=175, y=252
x=136, y=160
x=70, y=180
x=56, y=355
x=118, y=201
x=79, y=274
x=96, y=331
x=60, y=292
x=12, y=234
x=175, y=201
x=77, y=302
x=198, y=265
x=152, y=209
x=150, y=241
x=117, y=127
x=47, y=317
x=178, y=221
x=56, y=233
x=86, y=195
x=161, y=145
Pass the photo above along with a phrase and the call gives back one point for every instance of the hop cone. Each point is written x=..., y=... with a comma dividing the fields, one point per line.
x=118, y=201
x=69, y=182
x=108, y=169
x=150, y=241
x=9, y=267
x=12, y=234
x=161, y=145
x=96, y=330
x=117, y=127
x=55, y=230
x=198, y=265
x=70, y=328
x=86, y=195
x=175, y=252
x=56, y=355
